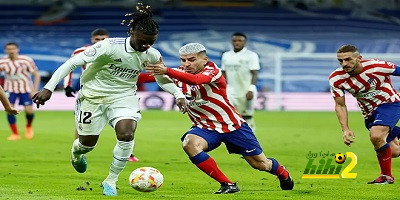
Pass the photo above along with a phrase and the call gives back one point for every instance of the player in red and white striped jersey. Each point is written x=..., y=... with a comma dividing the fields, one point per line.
x=214, y=119
x=369, y=82
x=97, y=36
x=18, y=85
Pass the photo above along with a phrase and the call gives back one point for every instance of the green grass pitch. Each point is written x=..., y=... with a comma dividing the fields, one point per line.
x=41, y=168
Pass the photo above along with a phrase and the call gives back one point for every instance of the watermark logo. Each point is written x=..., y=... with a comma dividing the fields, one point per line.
x=330, y=165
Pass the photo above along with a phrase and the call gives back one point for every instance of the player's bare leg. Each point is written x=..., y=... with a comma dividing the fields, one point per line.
x=124, y=130
x=194, y=146
x=378, y=135
x=262, y=163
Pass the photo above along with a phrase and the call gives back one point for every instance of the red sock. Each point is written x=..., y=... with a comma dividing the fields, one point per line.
x=14, y=129
x=282, y=173
x=210, y=167
x=278, y=170
x=385, y=161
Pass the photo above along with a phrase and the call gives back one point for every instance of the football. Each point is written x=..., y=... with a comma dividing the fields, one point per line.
x=340, y=158
x=146, y=179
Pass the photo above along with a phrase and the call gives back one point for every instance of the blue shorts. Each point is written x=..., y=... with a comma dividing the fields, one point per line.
x=24, y=98
x=241, y=141
x=387, y=114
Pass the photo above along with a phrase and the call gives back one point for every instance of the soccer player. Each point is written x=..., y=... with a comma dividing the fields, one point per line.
x=240, y=68
x=18, y=85
x=215, y=120
x=97, y=35
x=108, y=92
x=369, y=82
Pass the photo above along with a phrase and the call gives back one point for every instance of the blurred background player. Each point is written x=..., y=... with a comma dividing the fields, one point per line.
x=240, y=68
x=369, y=82
x=97, y=36
x=108, y=92
x=215, y=120
x=18, y=85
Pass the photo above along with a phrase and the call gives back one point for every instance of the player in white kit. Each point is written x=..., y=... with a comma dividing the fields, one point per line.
x=108, y=92
x=240, y=68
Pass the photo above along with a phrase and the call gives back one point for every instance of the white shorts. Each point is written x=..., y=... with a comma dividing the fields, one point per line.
x=90, y=119
x=242, y=105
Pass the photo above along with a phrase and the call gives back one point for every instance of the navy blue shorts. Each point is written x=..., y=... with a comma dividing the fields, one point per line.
x=387, y=114
x=24, y=98
x=242, y=141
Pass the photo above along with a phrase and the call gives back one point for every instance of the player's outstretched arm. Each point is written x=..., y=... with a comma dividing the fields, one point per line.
x=158, y=70
x=41, y=97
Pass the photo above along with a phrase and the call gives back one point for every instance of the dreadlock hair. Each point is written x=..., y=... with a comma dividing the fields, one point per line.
x=141, y=20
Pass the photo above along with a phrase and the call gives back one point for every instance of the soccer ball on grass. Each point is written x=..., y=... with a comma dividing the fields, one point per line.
x=146, y=179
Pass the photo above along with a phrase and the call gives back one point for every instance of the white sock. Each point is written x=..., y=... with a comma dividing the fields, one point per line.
x=78, y=149
x=121, y=153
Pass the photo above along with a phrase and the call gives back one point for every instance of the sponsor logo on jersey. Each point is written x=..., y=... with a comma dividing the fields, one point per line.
x=123, y=72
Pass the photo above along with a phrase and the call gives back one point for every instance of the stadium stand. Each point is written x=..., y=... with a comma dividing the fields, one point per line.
x=270, y=30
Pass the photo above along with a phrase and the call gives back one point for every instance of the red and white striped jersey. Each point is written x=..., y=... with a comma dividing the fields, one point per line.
x=18, y=73
x=208, y=105
x=371, y=87
x=68, y=78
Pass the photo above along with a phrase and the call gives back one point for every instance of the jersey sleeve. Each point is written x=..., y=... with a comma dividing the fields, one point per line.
x=154, y=56
x=254, y=62
x=145, y=78
x=384, y=68
x=32, y=65
x=193, y=79
x=94, y=52
x=335, y=91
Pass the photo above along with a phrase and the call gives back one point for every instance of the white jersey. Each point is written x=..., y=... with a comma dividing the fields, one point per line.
x=68, y=79
x=113, y=72
x=237, y=66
